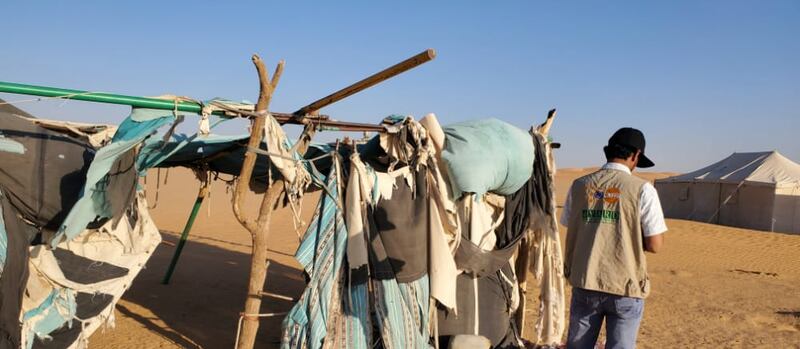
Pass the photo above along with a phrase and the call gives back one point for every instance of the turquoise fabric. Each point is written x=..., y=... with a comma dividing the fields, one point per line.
x=321, y=253
x=93, y=203
x=155, y=150
x=402, y=313
x=64, y=300
x=487, y=155
x=195, y=149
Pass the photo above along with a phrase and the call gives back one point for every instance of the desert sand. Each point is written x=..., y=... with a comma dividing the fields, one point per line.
x=713, y=286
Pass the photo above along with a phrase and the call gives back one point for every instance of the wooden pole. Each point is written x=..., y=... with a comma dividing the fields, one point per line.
x=372, y=80
x=258, y=228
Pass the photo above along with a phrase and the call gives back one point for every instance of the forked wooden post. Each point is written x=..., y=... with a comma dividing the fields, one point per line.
x=524, y=252
x=258, y=228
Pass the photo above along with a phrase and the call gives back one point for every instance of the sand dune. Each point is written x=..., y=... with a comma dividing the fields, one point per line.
x=713, y=286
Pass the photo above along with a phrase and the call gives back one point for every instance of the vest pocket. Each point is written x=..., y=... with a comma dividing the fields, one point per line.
x=631, y=288
x=644, y=285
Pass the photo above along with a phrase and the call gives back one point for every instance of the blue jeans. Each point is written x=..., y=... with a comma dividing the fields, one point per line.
x=589, y=308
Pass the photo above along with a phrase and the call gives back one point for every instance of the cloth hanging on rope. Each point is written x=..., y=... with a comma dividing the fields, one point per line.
x=45, y=179
x=73, y=288
x=360, y=193
x=482, y=310
x=92, y=203
x=16, y=237
x=547, y=262
x=294, y=174
x=403, y=225
x=321, y=253
x=401, y=309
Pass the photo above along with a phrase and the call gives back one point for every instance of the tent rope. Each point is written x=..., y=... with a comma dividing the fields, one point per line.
x=243, y=315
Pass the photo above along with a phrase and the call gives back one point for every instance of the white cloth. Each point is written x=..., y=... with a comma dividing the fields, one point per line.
x=651, y=214
x=282, y=154
x=445, y=230
x=357, y=198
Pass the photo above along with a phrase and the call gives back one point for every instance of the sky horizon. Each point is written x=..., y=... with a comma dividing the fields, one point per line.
x=701, y=79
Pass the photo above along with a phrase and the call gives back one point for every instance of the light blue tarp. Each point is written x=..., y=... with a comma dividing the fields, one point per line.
x=156, y=151
x=59, y=299
x=134, y=130
x=487, y=155
x=93, y=202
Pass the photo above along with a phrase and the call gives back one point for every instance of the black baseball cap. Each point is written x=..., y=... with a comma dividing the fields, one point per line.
x=632, y=138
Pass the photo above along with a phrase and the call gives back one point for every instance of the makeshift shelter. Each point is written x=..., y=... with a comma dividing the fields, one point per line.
x=759, y=190
x=405, y=233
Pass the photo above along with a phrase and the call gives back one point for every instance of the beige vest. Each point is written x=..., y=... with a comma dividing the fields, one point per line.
x=604, y=250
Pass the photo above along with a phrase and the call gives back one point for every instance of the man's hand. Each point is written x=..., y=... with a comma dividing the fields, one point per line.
x=653, y=243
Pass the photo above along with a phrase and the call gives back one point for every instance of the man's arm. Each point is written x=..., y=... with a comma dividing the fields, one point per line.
x=653, y=243
x=652, y=218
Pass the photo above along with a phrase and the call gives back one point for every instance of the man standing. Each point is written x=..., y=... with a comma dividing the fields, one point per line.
x=612, y=217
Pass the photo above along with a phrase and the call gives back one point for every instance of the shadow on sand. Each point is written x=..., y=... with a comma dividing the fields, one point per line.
x=201, y=305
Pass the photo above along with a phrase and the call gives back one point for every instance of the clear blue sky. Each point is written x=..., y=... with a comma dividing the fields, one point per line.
x=702, y=79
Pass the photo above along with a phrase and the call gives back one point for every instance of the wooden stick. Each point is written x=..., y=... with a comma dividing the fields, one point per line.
x=259, y=228
x=544, y=128
x=408, y=64
x=318, y=120
x=256, y=134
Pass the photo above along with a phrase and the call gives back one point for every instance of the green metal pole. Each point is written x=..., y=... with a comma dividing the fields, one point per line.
x=100, y=97
x=185, y=235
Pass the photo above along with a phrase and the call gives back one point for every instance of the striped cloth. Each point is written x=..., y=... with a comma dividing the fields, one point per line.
x=321, y=306
x=335, y=313
x=402, y=313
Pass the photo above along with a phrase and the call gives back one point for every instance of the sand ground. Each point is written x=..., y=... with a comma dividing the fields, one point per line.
x=713, y=286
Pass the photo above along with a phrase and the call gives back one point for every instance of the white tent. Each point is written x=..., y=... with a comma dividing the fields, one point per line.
x=750, y=190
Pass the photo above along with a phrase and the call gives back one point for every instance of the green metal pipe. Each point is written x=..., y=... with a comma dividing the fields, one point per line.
x=100, y=97
x=185, y=234
x=165, y=104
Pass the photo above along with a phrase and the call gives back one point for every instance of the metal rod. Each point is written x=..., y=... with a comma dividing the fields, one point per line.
x=185, y=106
x=133, y=101
x=372, y=80
x=201, y=195
x=101, y=97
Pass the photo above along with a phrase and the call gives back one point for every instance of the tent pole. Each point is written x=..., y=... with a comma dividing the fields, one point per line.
x=201, y=195
x=372, y=80
x=101, y=97
x=184, y=106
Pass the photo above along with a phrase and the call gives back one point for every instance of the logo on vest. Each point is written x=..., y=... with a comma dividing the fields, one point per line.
x=611, y=196
x=600, y=216
x=608, y=198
